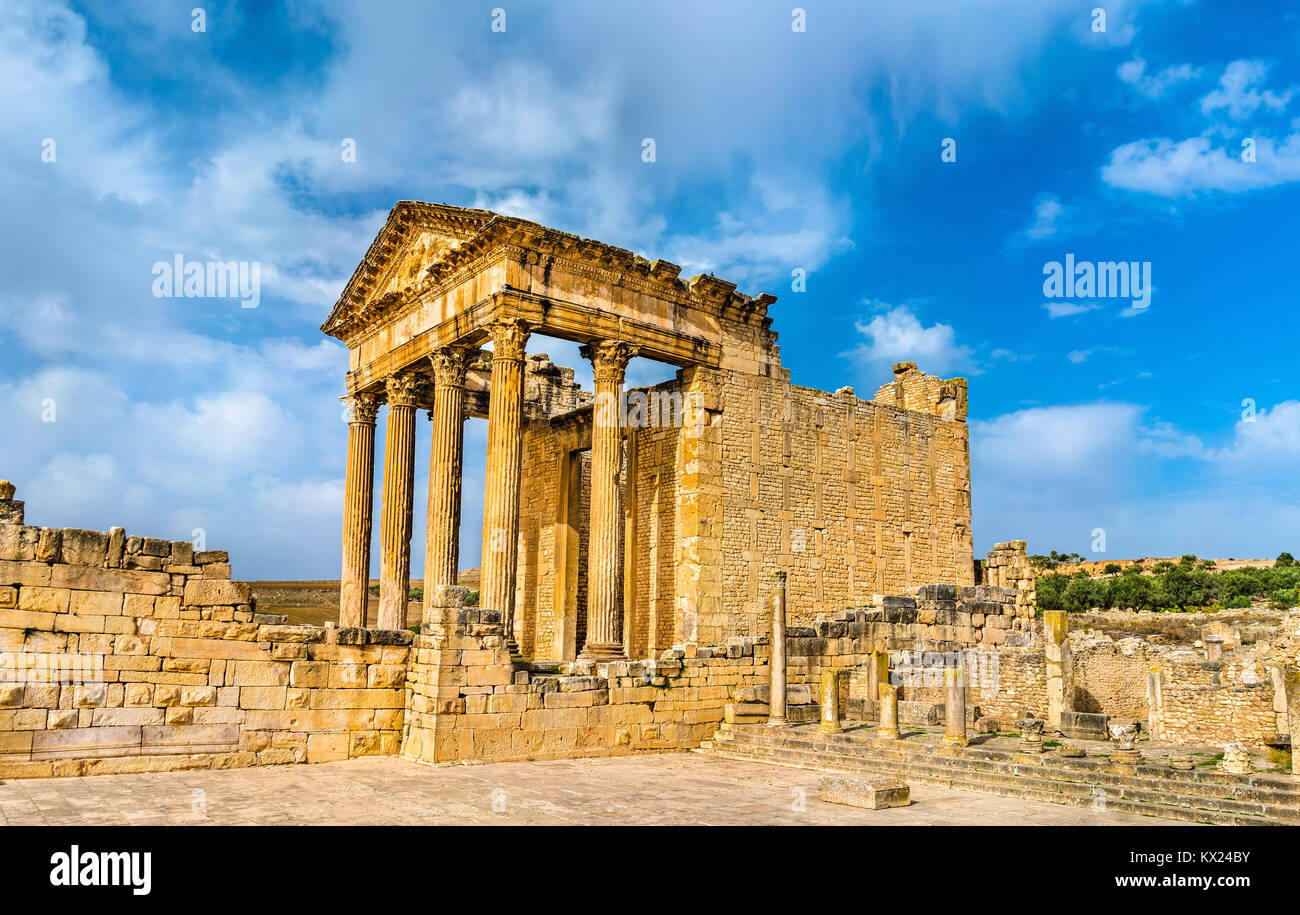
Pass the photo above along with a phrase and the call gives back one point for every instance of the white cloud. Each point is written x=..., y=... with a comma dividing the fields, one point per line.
x=1052, y=475
x=1182, y=168
x=897, y=335
x=1239, y=91
x=1186, y=167
x=1079, y=355
x=1134, y=73
x=1060, y=309
x=1048, y=211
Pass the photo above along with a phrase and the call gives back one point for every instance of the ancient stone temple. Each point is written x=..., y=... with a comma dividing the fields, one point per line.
x=619, y=523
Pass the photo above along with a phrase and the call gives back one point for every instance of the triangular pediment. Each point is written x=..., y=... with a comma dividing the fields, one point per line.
x=415, y=236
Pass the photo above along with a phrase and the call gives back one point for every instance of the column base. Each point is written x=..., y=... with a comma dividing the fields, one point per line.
x=777, y=722
x=888, y=733
x=955, y=741
x=825, y=728
x=602, y=651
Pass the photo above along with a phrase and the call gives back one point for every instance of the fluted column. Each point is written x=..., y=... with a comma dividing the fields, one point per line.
x=501, y=482
x=609, y=359
x=358, y=498
x=399, y=486
x=442, y=534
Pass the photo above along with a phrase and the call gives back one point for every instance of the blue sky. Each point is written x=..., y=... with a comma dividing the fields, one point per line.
x=775, y=150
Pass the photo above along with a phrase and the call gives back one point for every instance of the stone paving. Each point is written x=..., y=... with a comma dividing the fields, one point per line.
x=659, y=789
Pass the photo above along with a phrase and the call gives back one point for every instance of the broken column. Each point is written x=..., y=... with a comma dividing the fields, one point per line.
x=954, y=696
x=776, y=698
x=887, y=729
x=1056, y=649
x=1291, y=677
x=830, y=696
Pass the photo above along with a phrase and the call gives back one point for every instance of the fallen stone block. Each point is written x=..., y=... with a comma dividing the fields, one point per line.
x=1084, y=725
x=872, y=792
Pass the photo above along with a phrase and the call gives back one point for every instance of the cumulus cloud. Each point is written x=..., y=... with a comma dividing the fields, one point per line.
x=1239, y=92
x=1183, y=168
x=898, y=335
x=1053, y=475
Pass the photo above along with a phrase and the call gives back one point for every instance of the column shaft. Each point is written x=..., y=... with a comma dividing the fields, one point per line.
x=399, y=487
x=830, y=701
x=954, y=730
x=442, y=535
x=604, y=617
x=776, y=697
x=887, y=729
x=358, y=501
x=501, y=482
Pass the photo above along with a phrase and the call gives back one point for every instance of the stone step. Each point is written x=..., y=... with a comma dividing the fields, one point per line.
x=1023, y=792
x=1208, y=799
x=1209, y=784
x=1012, y=787
x=1249, y=798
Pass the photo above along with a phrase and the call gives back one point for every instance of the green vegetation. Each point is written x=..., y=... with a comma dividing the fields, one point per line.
x=1187, y=585
x=374, y=589
x=471, y=599
x=1054, y=560
x=415, y=594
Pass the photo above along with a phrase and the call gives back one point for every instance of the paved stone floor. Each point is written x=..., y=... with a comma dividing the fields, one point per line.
x=676, y=788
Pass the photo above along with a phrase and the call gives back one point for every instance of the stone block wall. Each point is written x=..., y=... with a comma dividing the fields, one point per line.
x=1192, y=714
x=467, y=701
x=121, y=654
x=851, y=497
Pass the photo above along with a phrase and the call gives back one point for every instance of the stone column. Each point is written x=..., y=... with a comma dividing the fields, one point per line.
x=954, y=717
x=776, y=697
x=358, y=501
x=609, y=360
x=830, y=696
x=1155, y=702
x=1291, y=677
x=501, y=482
x=888, y=699
x=1056, y=650
x=877, y=673
x=399, y=487
x=442, y=537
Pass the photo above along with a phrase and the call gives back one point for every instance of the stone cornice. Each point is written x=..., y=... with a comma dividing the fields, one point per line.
x=485, y=235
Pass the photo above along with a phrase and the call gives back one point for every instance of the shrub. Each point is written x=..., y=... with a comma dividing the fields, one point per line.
x=1112, y=568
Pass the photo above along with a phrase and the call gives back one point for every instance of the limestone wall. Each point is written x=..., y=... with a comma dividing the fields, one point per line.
x=1191, y=714
x=135, y=654
x=852, y=498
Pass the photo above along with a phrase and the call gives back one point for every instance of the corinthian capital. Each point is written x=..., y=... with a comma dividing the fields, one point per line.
x=449, y=366
x=509, y=338
x=403, y=389
x=362, y=407
x=609, y=359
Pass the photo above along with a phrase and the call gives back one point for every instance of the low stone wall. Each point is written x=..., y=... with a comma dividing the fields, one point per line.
x=129, y=654
x=468, y=702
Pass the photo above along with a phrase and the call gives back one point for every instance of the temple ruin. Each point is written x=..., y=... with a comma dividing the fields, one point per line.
x=723, y=561
x=679, y=497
